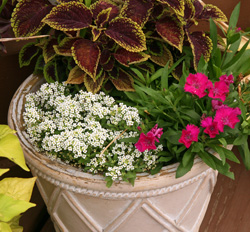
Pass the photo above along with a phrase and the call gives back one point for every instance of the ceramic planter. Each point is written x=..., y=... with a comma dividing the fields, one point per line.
x=78, y=201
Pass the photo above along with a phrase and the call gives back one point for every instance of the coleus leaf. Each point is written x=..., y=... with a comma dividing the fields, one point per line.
x=27, y=17
x=146, y=66
x=158, y=11
x=71, y=16
x=176, y=5
x=123, y=81
x=76, y=76
x=101, y=5
x=198, y=7
x=50, y=72
x=96, y=33
x=164, y=58
x=103, y=17
x=171, y=30
x=211, y=11
x=62, y=1
x=105, y=56
x=27, y=53
x=201, y=45
x=48, y=50
x=127, y=34
x=110, y=65
x=93, y=86
x=86, y=55
x=189, y=11
x=64, y=48
x=137, y=10
x=127, y=58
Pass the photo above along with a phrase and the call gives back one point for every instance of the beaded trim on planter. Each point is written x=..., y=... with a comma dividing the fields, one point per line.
x=128, y=195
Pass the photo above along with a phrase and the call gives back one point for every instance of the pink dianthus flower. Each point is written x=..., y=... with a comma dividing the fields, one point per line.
x=219, y=90
x=227, y=79
x=157, y=132
x=211, y=127
x=216, y=104
x=189, y=135
x=197, y=84
x=227, y=116
x=147, y=142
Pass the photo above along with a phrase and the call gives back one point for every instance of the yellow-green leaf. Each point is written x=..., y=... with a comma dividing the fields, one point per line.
x=5, y=130
x=18, y=188
x=9, y=207
x=2, y=171
x=11, y=149
x=5, y=227
x=14, y=224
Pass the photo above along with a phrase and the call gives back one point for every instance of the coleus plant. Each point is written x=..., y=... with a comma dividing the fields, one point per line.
x=95, y=43
x=6, y=9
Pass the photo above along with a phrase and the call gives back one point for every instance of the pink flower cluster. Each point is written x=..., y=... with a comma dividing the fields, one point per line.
x=224, y=116
x=199, y=84
x=147, y=142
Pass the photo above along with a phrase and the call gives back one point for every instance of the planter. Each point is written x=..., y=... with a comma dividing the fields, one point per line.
x=80, y=201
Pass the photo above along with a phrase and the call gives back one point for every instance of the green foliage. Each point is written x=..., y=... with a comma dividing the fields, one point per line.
x=15, y=193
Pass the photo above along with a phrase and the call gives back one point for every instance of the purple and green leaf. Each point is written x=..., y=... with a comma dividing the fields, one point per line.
x=176, y=5
x=127, y=34
x=163, y=58
x=101, y=5
x=127, y=58
x=103, y=17
x=137, y=10
x=48, y=49
x=76, y=76
x=86, y=55
x=71, y=16
x=64, y=48
x=94, y=86
x=201, y=45
x=171, y=30
x=28, y=15
x=27, y=53
x=123, y=81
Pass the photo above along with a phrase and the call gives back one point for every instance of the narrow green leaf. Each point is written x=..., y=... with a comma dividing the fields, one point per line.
x=197, y=147
x=156, y=75
x=181, y=170
x=240, y=140
x=245, y=154
x=206, y=157
x=187, y=157
x=164, y=77
x=236, y=57
x=234, y=17
x=213, y=34
x=221, y=153
x=139, y=74
x=157, y=169
x=223, y=169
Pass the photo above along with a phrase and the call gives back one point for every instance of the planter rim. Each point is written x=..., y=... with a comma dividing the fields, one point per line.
x=73, y=179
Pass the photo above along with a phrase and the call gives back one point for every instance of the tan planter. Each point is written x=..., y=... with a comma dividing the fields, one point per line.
x=79, y=201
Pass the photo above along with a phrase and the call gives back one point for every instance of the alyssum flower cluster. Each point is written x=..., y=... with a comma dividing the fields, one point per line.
x=87, y=130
